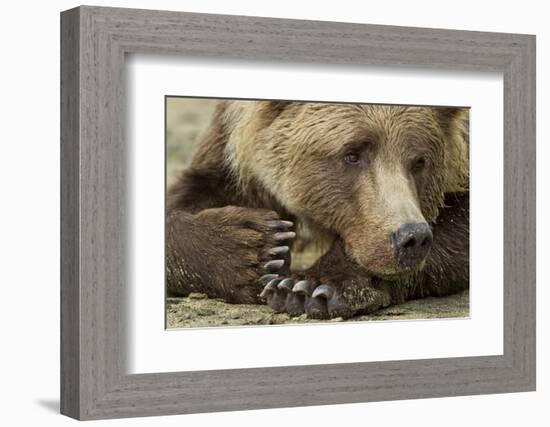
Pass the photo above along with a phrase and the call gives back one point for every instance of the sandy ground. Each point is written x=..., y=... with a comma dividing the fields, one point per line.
x=186, y=119
x=198, y=310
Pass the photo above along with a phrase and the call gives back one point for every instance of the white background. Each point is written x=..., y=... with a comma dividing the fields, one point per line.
x=152, y=349
x=29, y=218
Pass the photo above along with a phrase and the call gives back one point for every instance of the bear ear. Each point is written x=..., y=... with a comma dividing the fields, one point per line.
x=455, y=125
x=449, y=117
x=270, y=110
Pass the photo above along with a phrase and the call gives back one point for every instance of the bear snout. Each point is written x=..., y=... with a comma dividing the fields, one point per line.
x=411, y=244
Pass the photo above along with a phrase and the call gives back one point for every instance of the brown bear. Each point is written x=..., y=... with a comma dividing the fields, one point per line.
x=382, y=189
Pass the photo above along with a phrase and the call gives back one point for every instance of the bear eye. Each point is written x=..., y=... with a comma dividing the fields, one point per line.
x=418, y=165
x=352, y=157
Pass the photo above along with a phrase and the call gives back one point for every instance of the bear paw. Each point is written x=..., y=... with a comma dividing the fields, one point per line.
x=244, y=245
x=323, y=300
x=297, y=297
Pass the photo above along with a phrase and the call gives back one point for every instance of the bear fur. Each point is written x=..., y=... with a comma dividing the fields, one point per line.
x=347, y=174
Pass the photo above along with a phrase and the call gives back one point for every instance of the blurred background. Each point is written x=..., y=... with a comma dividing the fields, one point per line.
x=186, y=118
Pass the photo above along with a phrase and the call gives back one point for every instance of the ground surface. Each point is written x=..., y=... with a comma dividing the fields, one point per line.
x=197, y=310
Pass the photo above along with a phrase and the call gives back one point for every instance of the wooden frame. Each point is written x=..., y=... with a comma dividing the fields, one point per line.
x=94, y=42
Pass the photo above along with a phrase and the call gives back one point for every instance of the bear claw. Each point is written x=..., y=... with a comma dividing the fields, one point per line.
x=274, y=298
x=295, y=304
x=274, y=265
x=278, y=250
x=302, y=287
x=323, y=291
x=284, y=235
x=280, y=224
x=269, y=288
x=266, y=278
x=316, y=308
x=285, y=285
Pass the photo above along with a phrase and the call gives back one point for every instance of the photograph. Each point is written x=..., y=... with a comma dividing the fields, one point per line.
x=262, y=210
x=294, y=212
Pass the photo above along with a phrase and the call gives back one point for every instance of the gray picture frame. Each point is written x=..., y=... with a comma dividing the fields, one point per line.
x=94, y=268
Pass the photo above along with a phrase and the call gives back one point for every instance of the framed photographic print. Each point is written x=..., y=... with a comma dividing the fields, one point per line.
x=262, y=213
x=378, y=163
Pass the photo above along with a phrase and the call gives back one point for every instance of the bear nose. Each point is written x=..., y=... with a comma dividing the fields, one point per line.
x=411, y=243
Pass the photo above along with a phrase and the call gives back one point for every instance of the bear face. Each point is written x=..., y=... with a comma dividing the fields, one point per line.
x=373, y=175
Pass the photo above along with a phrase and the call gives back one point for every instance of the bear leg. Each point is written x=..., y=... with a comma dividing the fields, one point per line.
x=224, y=252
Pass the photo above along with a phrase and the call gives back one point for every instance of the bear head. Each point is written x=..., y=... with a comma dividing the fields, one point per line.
x=373, y=175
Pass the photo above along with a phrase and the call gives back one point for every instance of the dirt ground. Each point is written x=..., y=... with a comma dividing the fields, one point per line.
x=186, y=119
x=197, y=310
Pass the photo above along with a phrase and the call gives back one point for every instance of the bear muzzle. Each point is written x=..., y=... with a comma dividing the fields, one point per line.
x=411, y=244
